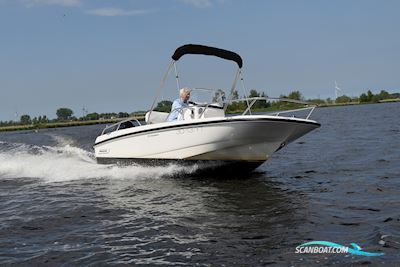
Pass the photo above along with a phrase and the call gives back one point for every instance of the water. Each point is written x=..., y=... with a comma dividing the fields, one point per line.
x=339, y=183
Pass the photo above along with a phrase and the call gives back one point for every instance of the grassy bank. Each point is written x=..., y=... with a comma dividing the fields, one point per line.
x=358, y=103
x=59, y=124
x=294, y=106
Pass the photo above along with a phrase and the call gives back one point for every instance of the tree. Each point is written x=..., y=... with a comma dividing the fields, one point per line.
x=370, y=95
x=123, y=114
x=92, y=116
x=64, y=113
x=376, y=98
x=384, y=95
x=343, y=99
x=45, y=119
x=107, y=116
x=317, y=101
x=25, y=119
x=296, y=95
x=164, y=106
x=264, y=103
x=363, y=98
x=253, y=93
x=235, y=95
x=219, y=96
x=259, y=103
x=395, y=95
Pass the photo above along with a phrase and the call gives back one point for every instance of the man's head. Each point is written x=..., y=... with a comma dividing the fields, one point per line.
x=184, y=94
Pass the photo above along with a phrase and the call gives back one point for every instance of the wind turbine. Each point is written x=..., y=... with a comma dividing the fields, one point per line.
x=84, y=111
x=337, y=89
x=16, y=116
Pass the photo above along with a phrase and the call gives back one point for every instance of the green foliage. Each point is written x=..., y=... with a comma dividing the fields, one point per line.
x=235, y=95
x=253, y=93
x=7, y=123
x=64, y=114
x=395, y=95
x=236, y=106
x=123, y=114
x=317, y=101
x=283, y=105
x=92, y=116
x=375, y=98
x=372, y=98
x=40, y=120
x=44, y=119
x=239, y=106
x=108, y=116
x=296, y=95
x=363, y=98
x=370, y=95
x=384, y=95
x=343, y=99
x=25, y=119
x=219, y=96
x=261, y=104
x=138, y=113
x=164, y=106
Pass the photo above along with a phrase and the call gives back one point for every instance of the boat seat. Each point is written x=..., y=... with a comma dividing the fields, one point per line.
x=155, y=117
x=125, y=125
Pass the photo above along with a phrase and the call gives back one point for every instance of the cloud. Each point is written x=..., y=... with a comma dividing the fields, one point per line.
x=30, y=3
x=114, y=12
x=202, y=3
x=198, y=3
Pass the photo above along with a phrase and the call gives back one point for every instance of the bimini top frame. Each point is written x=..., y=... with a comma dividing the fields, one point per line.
x=202, y=50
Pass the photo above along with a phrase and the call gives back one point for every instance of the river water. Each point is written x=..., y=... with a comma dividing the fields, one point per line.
x=340, y=183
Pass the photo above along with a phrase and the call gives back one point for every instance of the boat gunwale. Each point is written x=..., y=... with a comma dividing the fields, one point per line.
x=215, y=120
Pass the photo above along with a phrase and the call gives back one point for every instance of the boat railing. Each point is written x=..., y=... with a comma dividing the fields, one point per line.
x=124, y=124
x=252, y=100
x=219, y=97
x=203, y=107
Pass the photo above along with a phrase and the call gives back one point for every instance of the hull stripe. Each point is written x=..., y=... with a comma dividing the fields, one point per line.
x=204, y=123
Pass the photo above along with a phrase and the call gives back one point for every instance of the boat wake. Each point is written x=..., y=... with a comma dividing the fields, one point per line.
x=66, y=162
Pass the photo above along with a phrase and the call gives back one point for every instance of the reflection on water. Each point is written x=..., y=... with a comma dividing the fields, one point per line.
x=339, y=183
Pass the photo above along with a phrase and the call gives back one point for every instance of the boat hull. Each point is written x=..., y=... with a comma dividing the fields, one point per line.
x=207, y=168
x=250, y=140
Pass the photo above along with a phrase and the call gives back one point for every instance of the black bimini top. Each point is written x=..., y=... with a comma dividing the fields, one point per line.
x=207, y=50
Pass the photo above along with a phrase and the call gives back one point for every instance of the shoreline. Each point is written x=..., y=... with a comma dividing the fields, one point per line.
x=60, y=124
x=94, y=122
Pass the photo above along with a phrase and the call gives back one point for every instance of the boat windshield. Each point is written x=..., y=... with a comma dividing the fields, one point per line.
x=125, y=124
x=206, y=96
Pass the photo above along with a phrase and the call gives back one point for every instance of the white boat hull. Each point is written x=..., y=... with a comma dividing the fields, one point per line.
x=229, y=139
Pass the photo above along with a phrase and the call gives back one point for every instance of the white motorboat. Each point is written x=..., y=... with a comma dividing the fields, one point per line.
x=203, y=133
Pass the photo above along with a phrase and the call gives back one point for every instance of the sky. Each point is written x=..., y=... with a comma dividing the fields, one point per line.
x=110, y=56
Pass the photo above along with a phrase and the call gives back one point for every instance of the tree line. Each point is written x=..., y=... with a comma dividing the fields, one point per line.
x=67, y=114
x=367, y=97
x=64, y=115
